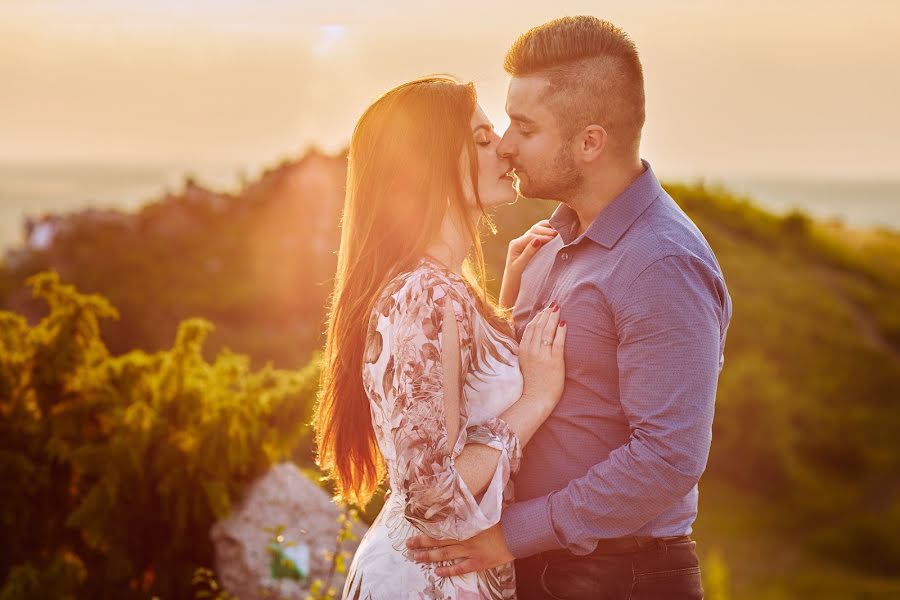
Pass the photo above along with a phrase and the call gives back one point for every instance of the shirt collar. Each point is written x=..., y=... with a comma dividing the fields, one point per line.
x=614, y=220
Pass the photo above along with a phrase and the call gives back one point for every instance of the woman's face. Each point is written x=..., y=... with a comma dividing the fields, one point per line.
x=495, y=187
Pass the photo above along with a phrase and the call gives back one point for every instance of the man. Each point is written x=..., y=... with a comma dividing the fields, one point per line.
x=607, y=491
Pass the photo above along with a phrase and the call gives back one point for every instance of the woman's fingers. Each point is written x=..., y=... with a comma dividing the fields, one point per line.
x=559, y=342
x=523, y=247
x=532, y=329
x=538, y=329
x=533, y=246
x=526, y=334
x=548, y=332
x=543, y=226
x=548, y=231
x=543, y=331
x=533, y=243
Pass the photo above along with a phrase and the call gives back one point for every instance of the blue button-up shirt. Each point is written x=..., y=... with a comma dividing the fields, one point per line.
x=647, y=311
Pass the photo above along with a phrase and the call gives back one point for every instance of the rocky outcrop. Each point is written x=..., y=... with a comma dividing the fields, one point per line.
x=285, y=497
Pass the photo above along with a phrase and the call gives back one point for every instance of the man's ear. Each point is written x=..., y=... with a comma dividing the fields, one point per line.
x=593, y=142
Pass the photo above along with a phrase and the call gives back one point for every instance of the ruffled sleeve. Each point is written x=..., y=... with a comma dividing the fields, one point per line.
x=411, y=381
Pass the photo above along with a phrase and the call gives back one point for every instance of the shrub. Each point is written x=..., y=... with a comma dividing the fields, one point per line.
x=125, y=462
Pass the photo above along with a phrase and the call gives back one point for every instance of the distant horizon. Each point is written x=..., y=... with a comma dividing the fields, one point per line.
x=36, y=188
x=189, y=166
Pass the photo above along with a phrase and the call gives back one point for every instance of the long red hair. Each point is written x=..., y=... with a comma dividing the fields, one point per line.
x=404, y=174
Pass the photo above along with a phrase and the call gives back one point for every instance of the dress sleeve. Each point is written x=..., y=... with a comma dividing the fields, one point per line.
x=437, y=500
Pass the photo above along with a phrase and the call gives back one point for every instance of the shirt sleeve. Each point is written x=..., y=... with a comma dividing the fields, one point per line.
x=437, y=500
x=671, y=324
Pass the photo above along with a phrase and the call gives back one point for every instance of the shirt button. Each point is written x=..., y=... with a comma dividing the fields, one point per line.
x=564, y=256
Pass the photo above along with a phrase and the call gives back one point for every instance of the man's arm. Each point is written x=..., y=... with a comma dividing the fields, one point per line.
x=670, y=321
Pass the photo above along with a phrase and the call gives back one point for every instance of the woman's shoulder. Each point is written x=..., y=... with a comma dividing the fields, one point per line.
x=423, y=285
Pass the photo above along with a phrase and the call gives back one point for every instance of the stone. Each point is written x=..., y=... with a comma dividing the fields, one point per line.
x=283, y=496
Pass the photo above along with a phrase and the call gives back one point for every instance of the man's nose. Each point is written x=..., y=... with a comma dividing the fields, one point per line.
x=504, y=148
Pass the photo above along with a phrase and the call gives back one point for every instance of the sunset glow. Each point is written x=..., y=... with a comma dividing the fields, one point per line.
x=768, y=88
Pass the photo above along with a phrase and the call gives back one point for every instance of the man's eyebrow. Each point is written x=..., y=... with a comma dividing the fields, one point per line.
x=521, y=118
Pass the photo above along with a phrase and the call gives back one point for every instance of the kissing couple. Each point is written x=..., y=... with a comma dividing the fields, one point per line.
x=547, y=444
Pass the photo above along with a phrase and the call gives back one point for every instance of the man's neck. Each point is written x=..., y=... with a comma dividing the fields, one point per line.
x=596, y=195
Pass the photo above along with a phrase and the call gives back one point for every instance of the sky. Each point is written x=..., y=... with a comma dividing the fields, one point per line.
x=767, y=88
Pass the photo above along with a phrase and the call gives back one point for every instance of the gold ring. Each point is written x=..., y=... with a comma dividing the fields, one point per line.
x=546, y=343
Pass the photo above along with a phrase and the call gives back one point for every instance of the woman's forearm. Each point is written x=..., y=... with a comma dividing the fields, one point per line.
x=509, y=286
x=477, y=463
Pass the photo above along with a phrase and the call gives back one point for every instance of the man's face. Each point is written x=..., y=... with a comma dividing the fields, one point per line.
x=533, y=144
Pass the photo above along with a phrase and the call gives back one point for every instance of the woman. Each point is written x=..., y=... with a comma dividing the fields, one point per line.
x=423, y=380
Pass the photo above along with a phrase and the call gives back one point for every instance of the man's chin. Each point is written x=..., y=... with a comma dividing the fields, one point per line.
x=533, y=192
x=529, y=193
x=525, y=189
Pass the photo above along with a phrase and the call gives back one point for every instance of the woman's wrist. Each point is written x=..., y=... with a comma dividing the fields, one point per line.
x=541, y=402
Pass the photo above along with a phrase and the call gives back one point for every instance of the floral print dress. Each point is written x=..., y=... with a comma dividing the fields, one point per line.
x=403, y=379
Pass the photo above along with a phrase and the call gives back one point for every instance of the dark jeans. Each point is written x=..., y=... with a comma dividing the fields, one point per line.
x=670, y=572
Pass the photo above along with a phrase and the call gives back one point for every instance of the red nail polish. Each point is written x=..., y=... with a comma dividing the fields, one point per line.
x=562, y=323
x=536, y=243
x=555, y=307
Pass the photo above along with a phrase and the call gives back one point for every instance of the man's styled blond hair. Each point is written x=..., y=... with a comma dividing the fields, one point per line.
x=594, y=72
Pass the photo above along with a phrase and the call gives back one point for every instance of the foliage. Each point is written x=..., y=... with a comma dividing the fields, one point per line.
x=57, y=579
x=208, y=586
x=323, y=589
x=123, y=463
x=281, y=565
x=716, y=584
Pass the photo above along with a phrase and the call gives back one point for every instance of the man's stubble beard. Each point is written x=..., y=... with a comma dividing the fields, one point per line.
x=559, y=181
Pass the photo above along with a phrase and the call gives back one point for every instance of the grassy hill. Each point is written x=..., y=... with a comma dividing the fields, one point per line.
x=802, y=494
